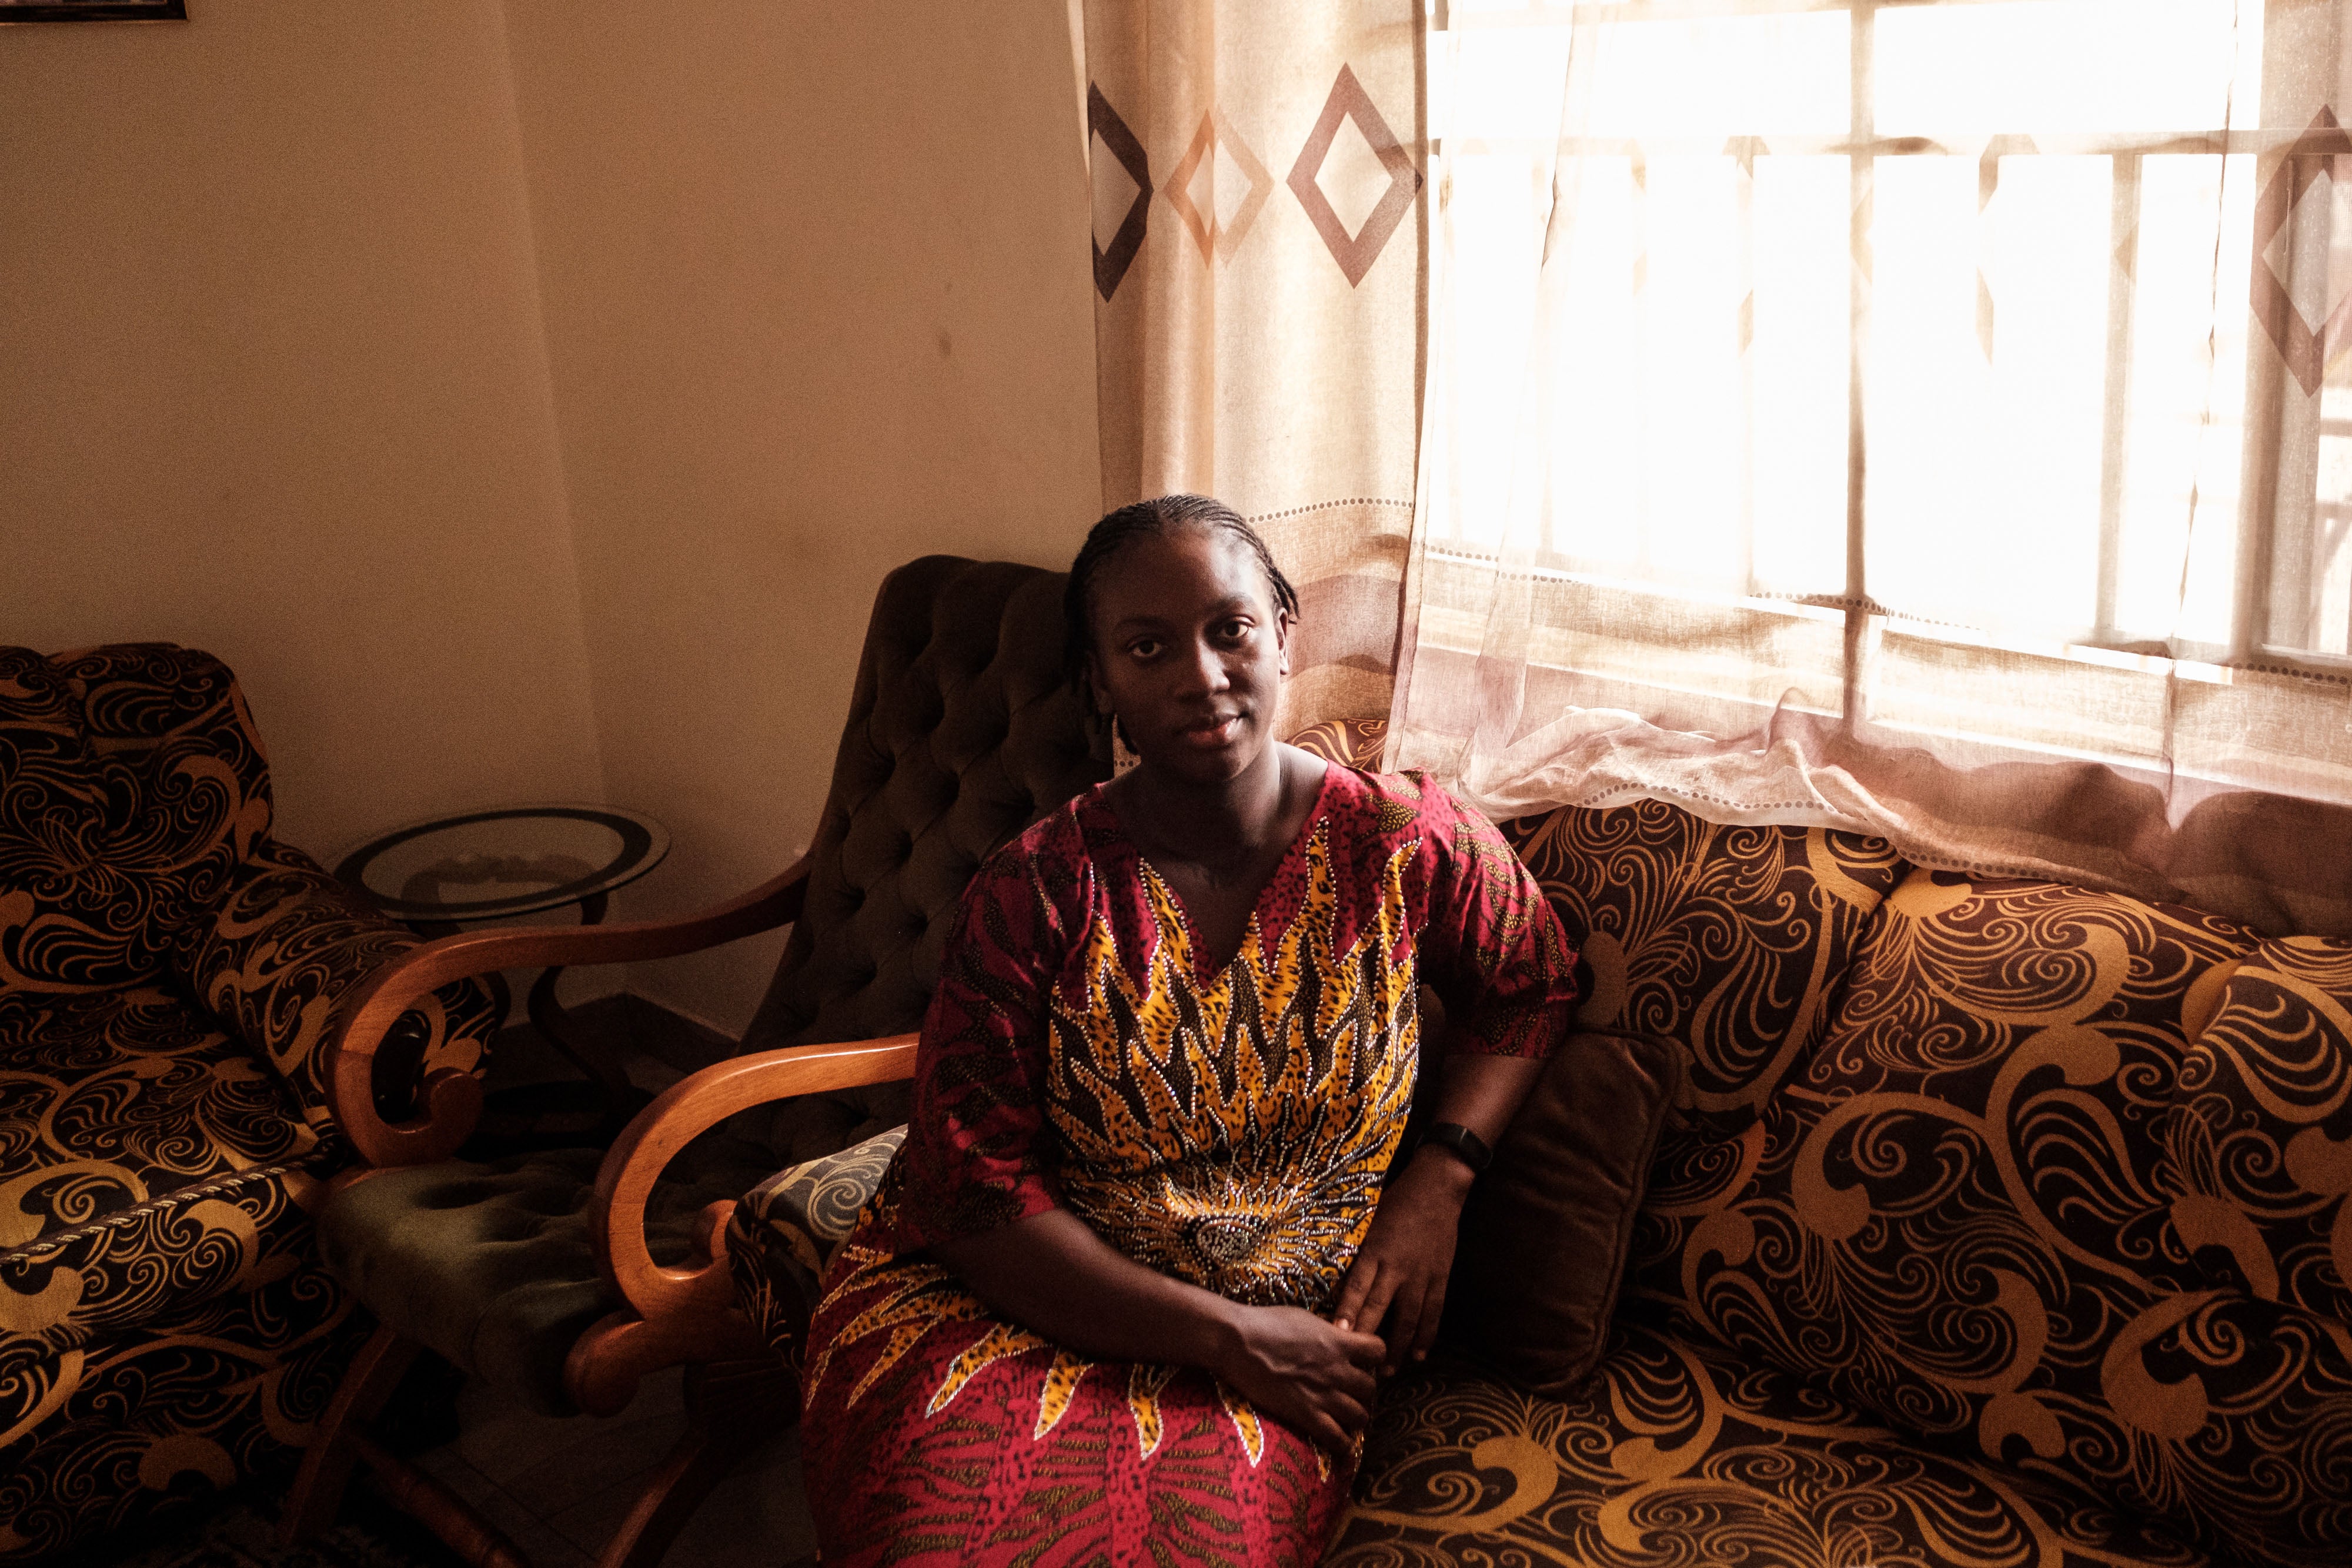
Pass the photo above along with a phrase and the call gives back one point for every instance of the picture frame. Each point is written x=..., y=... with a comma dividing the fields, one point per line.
x=13, y=11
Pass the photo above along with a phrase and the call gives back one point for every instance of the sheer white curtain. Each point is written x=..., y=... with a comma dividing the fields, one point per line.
x=1930, y=417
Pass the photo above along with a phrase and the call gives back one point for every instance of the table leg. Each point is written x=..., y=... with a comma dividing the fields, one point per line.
x=553, y=1021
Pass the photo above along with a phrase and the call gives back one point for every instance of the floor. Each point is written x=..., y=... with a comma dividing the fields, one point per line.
x=558, y=1486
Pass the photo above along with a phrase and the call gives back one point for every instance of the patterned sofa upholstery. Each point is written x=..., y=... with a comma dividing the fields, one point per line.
x=168, y=972
x=2002, y=1223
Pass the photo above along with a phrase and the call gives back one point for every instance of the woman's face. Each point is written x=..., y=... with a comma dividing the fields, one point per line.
x=1189, y=651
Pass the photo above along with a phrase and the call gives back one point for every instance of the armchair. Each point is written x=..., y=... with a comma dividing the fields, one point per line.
x=168, y=974
x=566, y=1277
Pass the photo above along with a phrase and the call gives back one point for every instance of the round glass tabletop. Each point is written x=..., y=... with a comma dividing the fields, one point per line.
x=511, y=859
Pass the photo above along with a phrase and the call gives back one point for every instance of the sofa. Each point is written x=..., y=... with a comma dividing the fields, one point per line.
x=1995, y=1222
x=169, y=974
x=2002, y=1221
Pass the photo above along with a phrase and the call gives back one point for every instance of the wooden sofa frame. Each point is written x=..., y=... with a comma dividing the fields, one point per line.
x=672, y=1316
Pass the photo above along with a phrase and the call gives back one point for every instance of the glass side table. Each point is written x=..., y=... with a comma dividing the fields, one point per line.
x=435, y=876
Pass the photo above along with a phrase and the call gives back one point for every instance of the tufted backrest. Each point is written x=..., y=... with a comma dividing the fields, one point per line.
x=962, y=732
x=132, y=785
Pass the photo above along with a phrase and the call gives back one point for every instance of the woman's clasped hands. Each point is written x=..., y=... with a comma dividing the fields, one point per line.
x=1319, y=1376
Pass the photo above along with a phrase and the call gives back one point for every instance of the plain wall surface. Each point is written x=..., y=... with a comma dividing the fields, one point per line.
x=273, y=384
x=819, y=300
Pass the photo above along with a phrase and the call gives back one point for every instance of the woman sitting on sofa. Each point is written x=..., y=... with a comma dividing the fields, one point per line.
x=1135, y=1271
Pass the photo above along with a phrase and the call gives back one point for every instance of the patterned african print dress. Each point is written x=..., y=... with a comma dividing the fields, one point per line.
x=1229, y=1129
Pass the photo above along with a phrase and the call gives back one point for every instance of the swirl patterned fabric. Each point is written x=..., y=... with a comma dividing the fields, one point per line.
x=2264, y=1138
x=1961, y=1219
x=1350, y=742
x=1681, y=1454
x=785, y=1230
x=286, y=943
x=213, y=1395
x=168, y=973
x=132, y=785
x=2035, y=1194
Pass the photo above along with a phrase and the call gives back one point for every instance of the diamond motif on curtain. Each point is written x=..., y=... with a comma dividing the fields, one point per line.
x=1112, y=262
x=1355, y=253
x=1212, y=234
x=2322, y=152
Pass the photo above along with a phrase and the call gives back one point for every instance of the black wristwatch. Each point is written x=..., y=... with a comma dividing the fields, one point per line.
x=1462, y=1143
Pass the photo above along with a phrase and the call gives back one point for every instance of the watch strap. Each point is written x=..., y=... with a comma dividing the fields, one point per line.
x=1468, y=1145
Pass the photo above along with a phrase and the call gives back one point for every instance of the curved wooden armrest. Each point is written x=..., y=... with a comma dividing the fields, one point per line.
x=450, y=1101
x=687, y=1109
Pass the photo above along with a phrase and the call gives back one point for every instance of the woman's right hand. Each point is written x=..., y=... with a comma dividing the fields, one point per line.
x=1310, y=1374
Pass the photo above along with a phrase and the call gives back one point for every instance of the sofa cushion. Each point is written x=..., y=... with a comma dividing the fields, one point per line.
x=280, y=960
x=202, y=1397
x=1681, y=1453
x=1730, y=940
x=131, y=783
x=1350, y=742
x=2263, y=1139
x=147, y=1163
x=111, y=1098
x=1961, y=1220
x=1545, y=1234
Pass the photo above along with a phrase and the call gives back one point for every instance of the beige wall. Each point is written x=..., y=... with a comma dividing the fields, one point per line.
x=818, y=301
x=527, y=400
x=272, y=382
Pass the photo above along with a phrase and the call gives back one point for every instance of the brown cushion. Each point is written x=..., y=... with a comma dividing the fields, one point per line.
x=1545, y=1234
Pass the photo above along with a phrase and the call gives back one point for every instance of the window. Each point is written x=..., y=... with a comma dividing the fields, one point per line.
x=1870, y=333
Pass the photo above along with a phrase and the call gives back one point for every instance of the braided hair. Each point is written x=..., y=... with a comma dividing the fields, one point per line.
x=1157, y=517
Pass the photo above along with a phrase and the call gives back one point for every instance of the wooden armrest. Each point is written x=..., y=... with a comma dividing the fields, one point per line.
x=450, y=1101
x=689, y=1313
x=686, y=1110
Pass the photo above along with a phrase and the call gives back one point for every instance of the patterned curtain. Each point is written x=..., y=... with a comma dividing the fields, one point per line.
x=1929, y=418
x=1260, y=250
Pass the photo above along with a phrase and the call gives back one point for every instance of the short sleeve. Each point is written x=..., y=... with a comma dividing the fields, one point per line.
x=973, y=1159
x=1492, y=946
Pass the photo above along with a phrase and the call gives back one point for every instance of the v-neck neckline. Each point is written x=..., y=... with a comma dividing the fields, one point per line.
x=1252, y=927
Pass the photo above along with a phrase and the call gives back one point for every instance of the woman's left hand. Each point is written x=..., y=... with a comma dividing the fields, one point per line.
x=1396, y=1287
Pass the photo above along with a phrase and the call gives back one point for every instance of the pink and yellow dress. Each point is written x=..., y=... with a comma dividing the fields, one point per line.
x=1231, y=1129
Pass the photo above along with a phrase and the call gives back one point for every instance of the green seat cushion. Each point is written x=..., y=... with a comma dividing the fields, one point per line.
x=491, y=1264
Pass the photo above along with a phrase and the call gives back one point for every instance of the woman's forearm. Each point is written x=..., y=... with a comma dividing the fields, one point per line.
x=1053, y=1274
x=1483, y=1092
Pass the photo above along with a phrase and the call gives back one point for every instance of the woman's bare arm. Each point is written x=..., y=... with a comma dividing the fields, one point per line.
x=1051, y=1273
x=1399, y=1274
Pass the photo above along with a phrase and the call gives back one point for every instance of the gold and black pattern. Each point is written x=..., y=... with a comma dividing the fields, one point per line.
x=132, y=784
x=287, y=944
x=1961, y=1220
x=114, y=1274
x=111, y=1098
x=783, y=1232
x=1350, y=742
x=202, y=1399
x=1681, y=1454
x=1729, y=939
x=1234, y=1133
x=1732, y=941
x=161, y=1313
x=2262, y=1137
